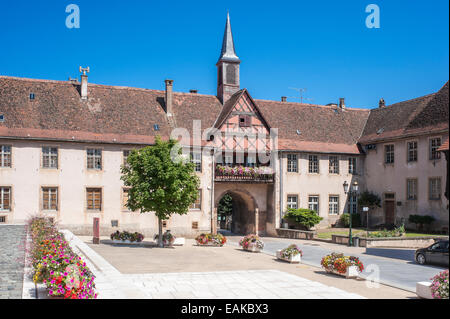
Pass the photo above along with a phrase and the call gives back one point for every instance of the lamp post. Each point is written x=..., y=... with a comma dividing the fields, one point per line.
x=353, y=191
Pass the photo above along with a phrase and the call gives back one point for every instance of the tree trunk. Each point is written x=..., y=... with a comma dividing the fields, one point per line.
x=160, y=237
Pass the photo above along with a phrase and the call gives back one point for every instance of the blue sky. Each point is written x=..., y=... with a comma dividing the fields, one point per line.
x=323, y=46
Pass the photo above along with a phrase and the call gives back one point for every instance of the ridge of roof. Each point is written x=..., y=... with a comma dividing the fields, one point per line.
x=311, y=105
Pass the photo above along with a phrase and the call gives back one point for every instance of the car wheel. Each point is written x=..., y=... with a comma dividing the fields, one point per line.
x=420, y=258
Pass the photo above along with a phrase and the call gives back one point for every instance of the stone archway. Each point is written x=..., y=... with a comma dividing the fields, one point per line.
x=245, y=211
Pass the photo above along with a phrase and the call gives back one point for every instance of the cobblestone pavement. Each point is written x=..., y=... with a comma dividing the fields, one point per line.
x=12, y=260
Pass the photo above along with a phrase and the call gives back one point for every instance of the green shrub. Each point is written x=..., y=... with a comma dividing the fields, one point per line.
x=397, y=232
x=421, y=220
x=345, y=220
x=305, y=218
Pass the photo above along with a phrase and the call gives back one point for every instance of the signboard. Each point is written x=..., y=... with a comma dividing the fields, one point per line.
x=365, y=209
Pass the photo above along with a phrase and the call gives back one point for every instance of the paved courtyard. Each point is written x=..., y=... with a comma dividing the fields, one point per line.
x=12, y=255
x=216, y=272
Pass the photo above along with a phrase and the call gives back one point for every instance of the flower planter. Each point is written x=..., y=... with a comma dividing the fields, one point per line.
x=293, y=259
x=210, y=245
x=351, y=272
x=252, y=248
x=423, y=290
x=127, y=242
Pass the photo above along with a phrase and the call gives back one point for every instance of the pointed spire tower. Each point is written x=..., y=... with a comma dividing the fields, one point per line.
x=227, y=66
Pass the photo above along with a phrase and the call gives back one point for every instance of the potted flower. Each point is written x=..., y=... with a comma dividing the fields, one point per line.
x=168, y=239
x=347, y=266
x=439, y=286
x=251, y=243
x=126, y=237
x=211, y=240
x=291, y=254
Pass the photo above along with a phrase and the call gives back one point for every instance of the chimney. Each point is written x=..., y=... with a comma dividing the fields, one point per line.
x=193, y=91
x=381, y=103
x=84, y=83
x=342, y=103
x=283, y=99
x=169, y=96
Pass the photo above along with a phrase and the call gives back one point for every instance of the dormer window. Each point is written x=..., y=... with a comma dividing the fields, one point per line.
x=31, y=96
x=244, y=121
x=2, y=118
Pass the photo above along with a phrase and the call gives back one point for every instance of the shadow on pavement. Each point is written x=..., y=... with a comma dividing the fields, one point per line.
x=403, y=254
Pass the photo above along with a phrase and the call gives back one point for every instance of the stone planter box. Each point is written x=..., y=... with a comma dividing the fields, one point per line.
x=423, y=290
x=127, y=242
x=295, y=233
x=293, y=259
x=252, y=248
x=209, y=245
x=179, y=241
x=352, y=272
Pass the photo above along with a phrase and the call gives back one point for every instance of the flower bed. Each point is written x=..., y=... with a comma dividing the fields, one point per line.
x=251, y=243
x=56, y=265
x=167, y=238
x=348, y=266
x=291, y=254
x=211, y=240
x=439, y=286
x=126, y=237
x=264, y=173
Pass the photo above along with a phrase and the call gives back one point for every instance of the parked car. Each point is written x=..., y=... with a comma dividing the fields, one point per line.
x=434, y=254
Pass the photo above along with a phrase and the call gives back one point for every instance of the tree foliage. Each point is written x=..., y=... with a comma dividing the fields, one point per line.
x=369, y=199
x=303, y=217
x=159, y=184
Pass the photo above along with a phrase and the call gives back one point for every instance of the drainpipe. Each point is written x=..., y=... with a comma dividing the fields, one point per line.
x=281, y=186
x=212, y=190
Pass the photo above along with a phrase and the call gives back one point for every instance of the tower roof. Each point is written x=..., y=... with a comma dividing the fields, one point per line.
x=228, y=54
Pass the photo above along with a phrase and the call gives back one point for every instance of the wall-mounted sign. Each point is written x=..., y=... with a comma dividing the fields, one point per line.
x=365, y=209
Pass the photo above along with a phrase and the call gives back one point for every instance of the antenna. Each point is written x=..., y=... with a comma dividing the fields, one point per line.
x=301, y=91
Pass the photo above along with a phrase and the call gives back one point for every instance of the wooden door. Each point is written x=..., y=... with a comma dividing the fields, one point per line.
x=389, y=211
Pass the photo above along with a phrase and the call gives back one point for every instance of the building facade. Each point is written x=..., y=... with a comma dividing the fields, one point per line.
x=62, y=144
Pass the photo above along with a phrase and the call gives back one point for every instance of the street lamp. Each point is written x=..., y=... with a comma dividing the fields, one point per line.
x=353, y=192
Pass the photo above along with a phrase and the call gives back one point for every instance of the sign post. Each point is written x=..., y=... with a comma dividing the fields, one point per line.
x=366, y=209
x=96, y=231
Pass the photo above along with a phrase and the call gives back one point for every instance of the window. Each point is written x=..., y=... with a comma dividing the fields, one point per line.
x=245, y=121
x=313, y=164
x=125, y=192
x=412, y=151
x=333, y=204
x=292, y=201
x=194, y=225
x=434, y=188
x=5, y=198
x=228, y=160
x=196, y=158
x=353, y=204
x=50, y=198
x=389, y=154
x=435, y=143
x=352, y=165
x=411, y=189
x=334, y=165
x=94, y=198
x=94, y=159
x=251, y=161
x=2, y=219
x=126, y=153
x=5, y=156
x=49, y=157
x=313, y=203
x=198, y=203
x=292, y=163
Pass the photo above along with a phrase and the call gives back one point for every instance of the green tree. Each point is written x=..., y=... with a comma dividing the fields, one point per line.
x=225, y=205
x=158, y=183
x=369, y=199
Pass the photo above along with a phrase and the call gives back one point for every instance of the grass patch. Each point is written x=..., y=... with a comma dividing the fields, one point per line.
x=327, y=235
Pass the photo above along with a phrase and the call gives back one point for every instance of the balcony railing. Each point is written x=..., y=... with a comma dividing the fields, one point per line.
x=262, y=174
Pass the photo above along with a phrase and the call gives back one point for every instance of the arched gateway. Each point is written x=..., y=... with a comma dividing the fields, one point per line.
x=251, y=206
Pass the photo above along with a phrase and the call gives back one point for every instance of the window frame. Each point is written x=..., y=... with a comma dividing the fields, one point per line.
x=430, y=190
x=389, y=154
x=330, y=203
x=292, y=163
x=333, y=164
x=414, y=150
x=94, y=156
x=50, y=156
x=2, y=190
x=313, y=164
x=49, y=209
x=3, y=154
x=197, y=162
x=433, y=153
x=101, y=199
x=199, y=200
x=416, y=193
x=288, y=203
x=314, y=203
x=353, y=167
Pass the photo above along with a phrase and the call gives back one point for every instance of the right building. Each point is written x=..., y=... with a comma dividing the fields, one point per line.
x=404, y=164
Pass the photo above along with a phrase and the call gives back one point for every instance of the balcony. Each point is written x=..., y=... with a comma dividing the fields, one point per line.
x=263, y=174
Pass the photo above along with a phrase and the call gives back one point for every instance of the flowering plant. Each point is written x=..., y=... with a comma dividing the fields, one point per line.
x=340, y=263
x=56, y=265
x=291, y=251
x=250, y=241
x=167, y=238
x=439, y=287
x=133, y=237
x=243, y=170
x=205, y=239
